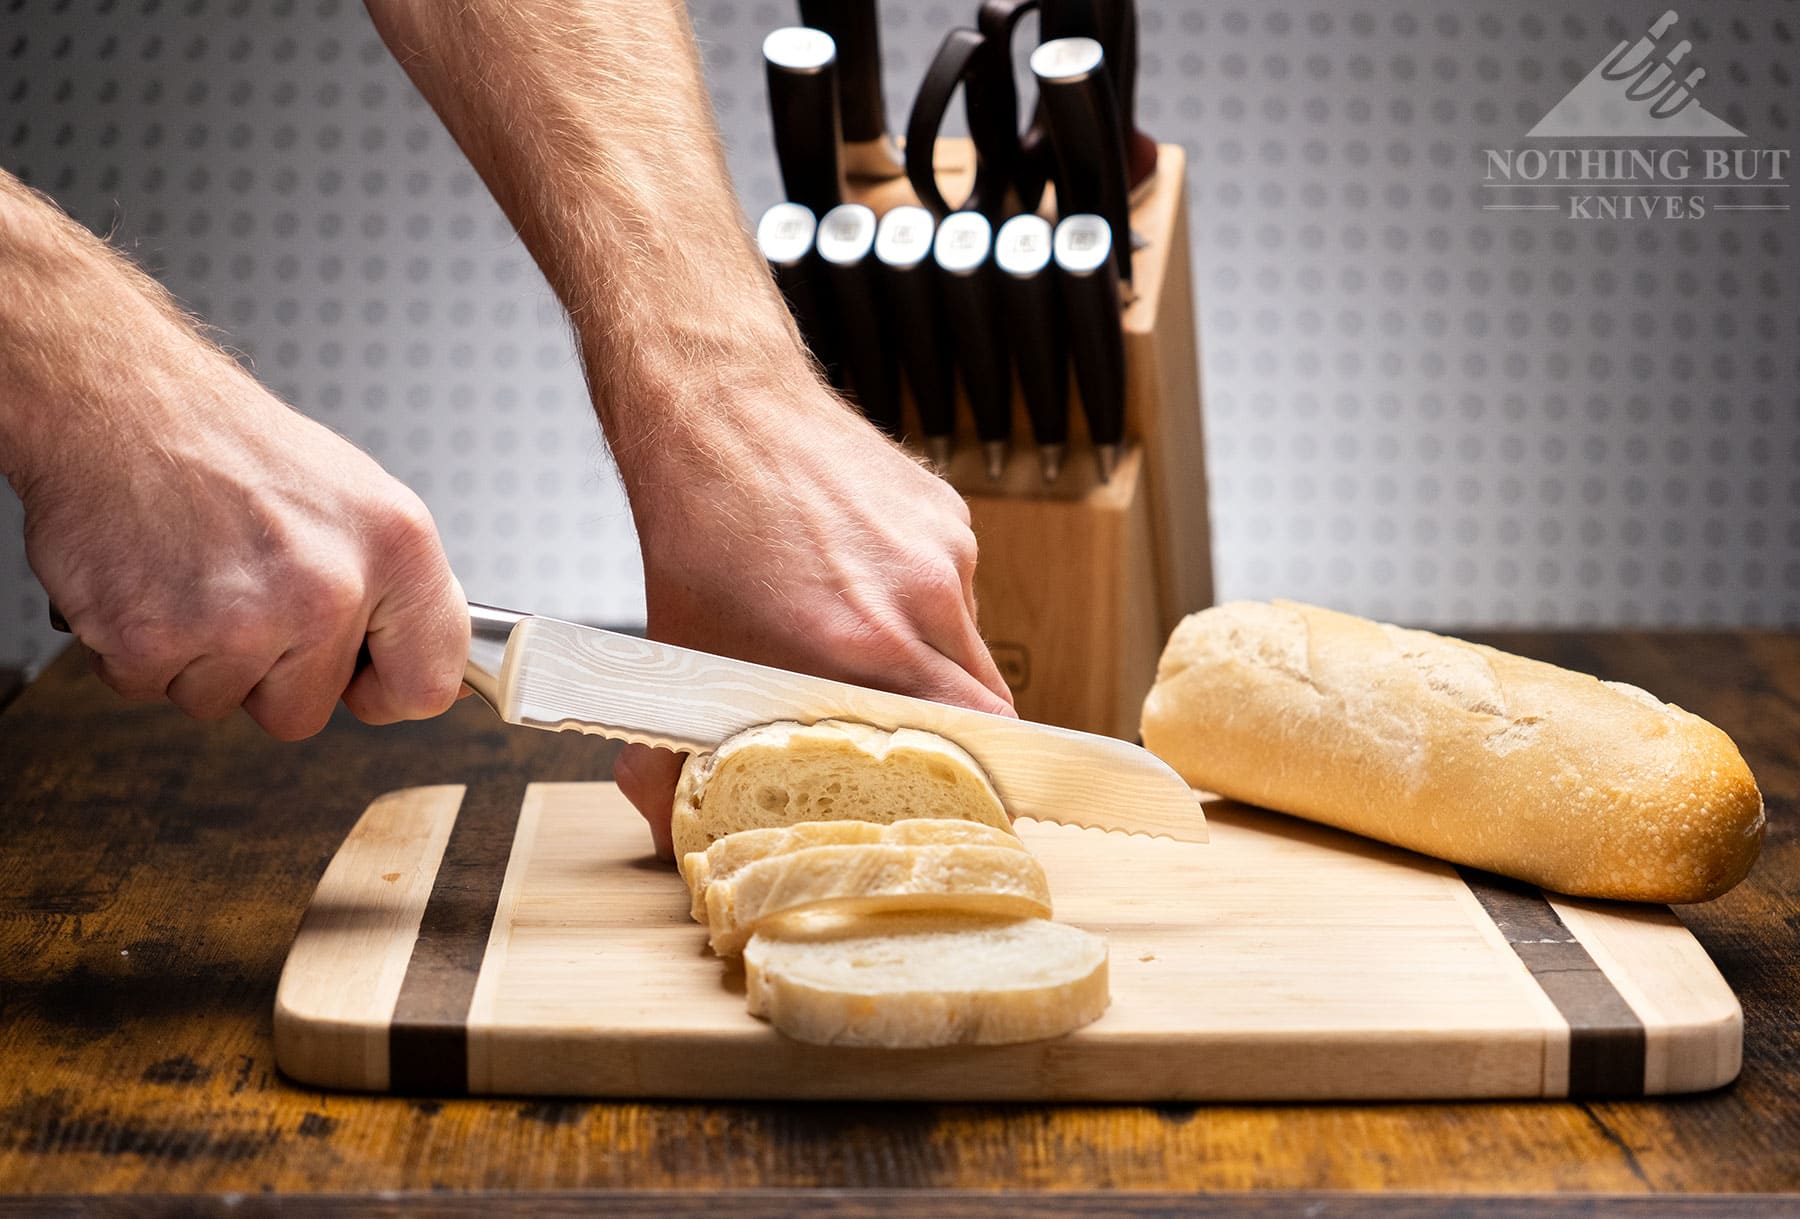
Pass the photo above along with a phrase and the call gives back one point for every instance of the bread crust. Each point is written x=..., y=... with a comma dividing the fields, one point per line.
x=1456, y=750
x=884, y=777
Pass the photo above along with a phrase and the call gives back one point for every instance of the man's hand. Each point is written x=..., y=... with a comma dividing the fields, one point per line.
x=804, y=539
x=207, y=543
x=776, y=525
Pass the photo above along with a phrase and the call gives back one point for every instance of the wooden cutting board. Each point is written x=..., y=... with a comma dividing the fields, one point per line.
x=523, y=941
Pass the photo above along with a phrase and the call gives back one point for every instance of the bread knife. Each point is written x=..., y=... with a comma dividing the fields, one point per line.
x=542, y=673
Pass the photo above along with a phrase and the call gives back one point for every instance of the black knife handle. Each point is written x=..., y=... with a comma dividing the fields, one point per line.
x=1030, y=152
x=846, y=245
x=1084, y=131
x=801, y=67
x=1088, y=283
x=785, y=236
x=854, y=26
x=963, y=252
x=1034, y=324
x=1114, y=24
x=968, y=59
x=903, y=248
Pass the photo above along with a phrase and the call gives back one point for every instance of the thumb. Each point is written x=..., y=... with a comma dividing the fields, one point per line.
x=418, y=647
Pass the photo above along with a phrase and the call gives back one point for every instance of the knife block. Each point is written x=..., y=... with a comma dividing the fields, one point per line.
x=1080, y=582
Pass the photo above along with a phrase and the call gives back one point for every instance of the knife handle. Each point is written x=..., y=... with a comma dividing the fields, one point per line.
x=785, y=236
x=489, y=629
x=801, y=66
x=963, y=252
x=1083, y=117
x=853, y=26
x=846, y=245
x=1034, y=326
x=1089, y=286
x=903, y=248
x=1114, y=24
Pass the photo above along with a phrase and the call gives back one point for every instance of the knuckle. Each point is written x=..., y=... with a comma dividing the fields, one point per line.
x=406, y=532
x=291, y=721
x=146, y=643
x=424, y=692
x=438, y=693
x=327, y=599
x=211, y=709
x=943, y=577
x=963, y=549
x=867, y=633
x=241, y=628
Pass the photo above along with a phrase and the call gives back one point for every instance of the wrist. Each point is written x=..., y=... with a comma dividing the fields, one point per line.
x=93, y=353
x=696, y=459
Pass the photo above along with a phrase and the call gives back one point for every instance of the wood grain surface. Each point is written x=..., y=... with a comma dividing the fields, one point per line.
x=1284, y=961
x=153, y=871
x=903, y=1204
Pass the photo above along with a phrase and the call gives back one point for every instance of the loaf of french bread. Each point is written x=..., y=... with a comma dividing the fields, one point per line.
x=1586, y=787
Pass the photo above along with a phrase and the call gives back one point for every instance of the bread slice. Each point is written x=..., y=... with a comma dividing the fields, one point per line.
x=782, y=773
x=915, y=980
x=730, y=854
x=872, y=878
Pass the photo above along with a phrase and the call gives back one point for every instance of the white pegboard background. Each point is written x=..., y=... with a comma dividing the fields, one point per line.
x=1415, y=409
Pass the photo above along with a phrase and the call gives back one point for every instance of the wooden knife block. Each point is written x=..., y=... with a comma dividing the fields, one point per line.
x=1080, y=582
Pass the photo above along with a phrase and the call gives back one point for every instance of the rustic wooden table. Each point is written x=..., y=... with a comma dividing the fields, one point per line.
x=153, y=870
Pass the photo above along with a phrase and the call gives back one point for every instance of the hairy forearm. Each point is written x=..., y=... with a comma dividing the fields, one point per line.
x=589, y=122
x=81, y=331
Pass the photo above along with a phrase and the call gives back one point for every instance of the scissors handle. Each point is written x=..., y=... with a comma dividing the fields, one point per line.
x=984, y=71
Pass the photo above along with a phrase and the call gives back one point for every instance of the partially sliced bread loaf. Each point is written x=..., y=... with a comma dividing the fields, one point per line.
x=872, y=878
x=916, y=980
x=730, y=854
x=783, y=773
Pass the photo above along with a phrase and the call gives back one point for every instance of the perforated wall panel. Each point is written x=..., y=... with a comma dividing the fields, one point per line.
x=1421, y=401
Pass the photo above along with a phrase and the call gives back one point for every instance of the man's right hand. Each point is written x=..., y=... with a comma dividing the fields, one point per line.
x=214, y=547
x=207, y=543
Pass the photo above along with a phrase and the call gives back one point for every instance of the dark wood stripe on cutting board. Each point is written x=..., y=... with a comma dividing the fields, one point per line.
x=428, y=1050
x=1606, y=1038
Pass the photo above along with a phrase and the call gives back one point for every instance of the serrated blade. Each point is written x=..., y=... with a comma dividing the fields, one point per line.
x=560, y=676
